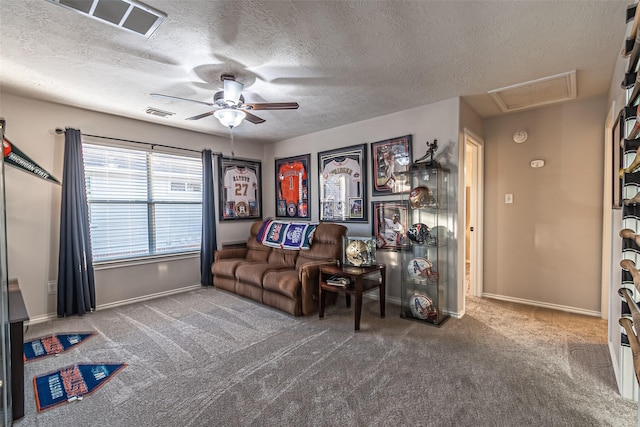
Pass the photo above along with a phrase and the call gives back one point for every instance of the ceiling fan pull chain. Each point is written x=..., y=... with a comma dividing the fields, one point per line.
x=231, y=134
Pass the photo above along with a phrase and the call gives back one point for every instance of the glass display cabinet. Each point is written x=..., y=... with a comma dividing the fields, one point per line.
x=424, y=255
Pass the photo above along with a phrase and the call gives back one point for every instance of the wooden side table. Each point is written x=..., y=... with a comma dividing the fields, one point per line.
x=358, y=285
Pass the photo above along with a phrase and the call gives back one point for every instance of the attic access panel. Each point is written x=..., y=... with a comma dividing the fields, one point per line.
x=129, y=15
x=536, y=93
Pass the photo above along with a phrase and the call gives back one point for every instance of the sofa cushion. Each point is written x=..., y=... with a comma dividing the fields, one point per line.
x=227, y=267
x=258, y=256
x=283, y=258
x=257, y=252
x=327, y=244
x=285, y=282
x=252, y=273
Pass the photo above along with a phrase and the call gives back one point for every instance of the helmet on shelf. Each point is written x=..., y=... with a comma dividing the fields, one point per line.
x=419, y=268
x=421, y=197
x=357, y=252
x=422, y=306
x=418, y=233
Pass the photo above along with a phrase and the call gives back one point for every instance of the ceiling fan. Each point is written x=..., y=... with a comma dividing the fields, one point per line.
x=231, y=106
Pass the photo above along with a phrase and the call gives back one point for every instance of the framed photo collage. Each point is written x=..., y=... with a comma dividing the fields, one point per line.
x=342, y=186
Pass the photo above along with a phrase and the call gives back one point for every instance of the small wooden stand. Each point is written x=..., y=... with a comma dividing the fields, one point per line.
x=358, y=285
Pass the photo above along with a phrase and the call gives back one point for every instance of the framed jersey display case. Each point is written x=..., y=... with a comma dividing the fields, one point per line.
x=240, y=188
x=343, y=184
x=292, y=187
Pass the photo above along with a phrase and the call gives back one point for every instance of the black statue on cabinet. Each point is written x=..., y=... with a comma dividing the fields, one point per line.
x=432, y=147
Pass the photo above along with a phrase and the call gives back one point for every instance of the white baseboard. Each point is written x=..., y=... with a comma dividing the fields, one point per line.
x=40, y=319
x=559, y=307
x=50, y=316
x=147, y=297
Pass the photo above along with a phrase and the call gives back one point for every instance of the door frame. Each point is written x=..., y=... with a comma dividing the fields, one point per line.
x=476, y=255
x=607, y=217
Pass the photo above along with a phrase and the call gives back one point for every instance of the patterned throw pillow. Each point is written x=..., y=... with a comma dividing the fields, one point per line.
x=286, y=235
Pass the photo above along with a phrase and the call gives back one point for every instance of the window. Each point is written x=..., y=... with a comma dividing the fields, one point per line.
x=142, y=203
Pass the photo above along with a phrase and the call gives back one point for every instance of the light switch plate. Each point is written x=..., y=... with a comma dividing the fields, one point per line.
x=508, y=198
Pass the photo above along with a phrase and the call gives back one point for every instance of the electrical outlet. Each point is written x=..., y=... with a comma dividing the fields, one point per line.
x=52, y=287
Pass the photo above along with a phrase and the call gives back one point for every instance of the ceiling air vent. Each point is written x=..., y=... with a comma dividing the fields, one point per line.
x=158, y=113
x=126, y=14
x=536, y=93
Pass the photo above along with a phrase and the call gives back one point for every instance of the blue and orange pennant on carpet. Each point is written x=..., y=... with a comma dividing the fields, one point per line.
x=71, y=383
x=53, y=344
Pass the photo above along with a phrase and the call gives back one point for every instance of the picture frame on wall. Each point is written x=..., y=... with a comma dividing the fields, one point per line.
x=343, y=184
x=390, y=223
x=292, y=187
x=240, y=189
x=390, y=161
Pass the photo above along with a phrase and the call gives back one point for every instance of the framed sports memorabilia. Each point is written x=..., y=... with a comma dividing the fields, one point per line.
x=343, y=184
x=390, y=161
x=240, y=189
x=292, y=187
x=389, y=223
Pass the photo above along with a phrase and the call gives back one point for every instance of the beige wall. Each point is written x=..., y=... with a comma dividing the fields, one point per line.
x=33, y=205
x=439, y=120
x=534, y=249
x=546, y=246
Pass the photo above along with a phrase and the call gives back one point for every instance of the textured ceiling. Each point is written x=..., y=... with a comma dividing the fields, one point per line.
x=342, y=61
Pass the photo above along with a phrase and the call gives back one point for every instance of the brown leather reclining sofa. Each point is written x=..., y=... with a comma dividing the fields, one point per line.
x=286, y=279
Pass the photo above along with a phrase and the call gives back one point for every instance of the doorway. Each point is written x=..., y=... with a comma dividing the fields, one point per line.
x=474, y=208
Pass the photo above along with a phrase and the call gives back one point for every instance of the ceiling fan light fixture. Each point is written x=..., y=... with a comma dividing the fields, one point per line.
x=230, y=117
x=232, y=91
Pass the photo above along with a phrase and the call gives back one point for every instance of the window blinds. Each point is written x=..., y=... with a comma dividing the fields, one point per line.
x=142, y=202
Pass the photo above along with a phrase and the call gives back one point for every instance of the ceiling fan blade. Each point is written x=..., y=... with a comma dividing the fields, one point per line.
x=201, y=116
x=252, y=118
x=273, y=106
x=232, y=91
x=159, y=95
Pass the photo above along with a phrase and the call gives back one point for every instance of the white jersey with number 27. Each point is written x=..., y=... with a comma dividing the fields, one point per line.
x=241, y=184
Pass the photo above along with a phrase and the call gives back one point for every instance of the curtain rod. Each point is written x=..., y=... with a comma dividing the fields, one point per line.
x=60, y=130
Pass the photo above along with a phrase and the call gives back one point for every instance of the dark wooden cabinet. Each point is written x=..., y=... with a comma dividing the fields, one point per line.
x=17, y=316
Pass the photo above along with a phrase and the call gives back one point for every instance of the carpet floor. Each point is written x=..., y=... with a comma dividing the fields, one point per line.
x=211, y=358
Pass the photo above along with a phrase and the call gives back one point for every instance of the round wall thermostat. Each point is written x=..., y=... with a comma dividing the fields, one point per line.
x=537, y=163
x=520, y=136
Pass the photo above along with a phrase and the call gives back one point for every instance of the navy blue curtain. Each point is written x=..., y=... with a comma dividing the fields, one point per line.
x=209, y=241
x=76, y=285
